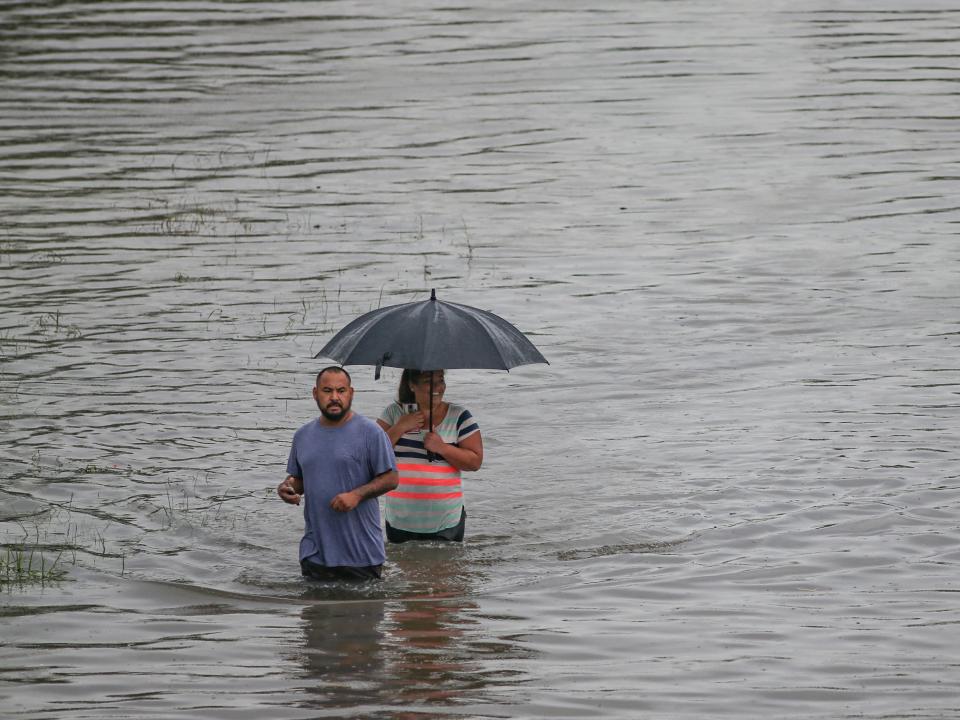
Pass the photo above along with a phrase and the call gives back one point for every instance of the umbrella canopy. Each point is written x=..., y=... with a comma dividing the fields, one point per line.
x=431, y=335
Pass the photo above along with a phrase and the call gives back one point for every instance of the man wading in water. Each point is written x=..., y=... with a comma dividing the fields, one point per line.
x=339, y=464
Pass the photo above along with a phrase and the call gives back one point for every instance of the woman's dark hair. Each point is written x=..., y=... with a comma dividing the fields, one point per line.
x=404, y=393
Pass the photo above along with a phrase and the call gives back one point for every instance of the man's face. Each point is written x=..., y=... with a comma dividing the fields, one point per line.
x=333, y=395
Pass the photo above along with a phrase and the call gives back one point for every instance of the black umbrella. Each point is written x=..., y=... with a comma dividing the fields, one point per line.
x=431, y=335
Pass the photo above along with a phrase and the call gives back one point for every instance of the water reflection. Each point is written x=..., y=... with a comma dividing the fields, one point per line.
x=426, y=645
x=342, y=656
x=414, y=654
x=739, y=219
x=407, y=654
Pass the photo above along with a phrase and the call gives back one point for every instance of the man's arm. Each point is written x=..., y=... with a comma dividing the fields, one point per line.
x=290, y=490
x=383, y=483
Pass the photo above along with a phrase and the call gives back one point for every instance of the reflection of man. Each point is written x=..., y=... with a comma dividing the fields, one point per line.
x=340, y=464
x=343, y=659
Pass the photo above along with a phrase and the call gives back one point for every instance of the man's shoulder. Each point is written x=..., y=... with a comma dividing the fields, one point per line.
x=364, y=424
x=306, y=428
x=359, y=424
x=371, y=432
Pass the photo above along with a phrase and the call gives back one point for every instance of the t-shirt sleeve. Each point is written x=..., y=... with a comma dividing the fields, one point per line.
x=466, y=425
x=391, y=413
x=382, y=458
x=293, y=464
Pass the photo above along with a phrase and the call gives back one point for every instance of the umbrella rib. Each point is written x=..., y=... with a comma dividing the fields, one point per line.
x=476, y=320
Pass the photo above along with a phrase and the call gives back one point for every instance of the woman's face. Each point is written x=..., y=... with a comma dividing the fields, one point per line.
x=421, y=389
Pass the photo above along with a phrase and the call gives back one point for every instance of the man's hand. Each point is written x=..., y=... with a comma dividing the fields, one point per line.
x=382, y=483
x=346, y=501
x=288, y=490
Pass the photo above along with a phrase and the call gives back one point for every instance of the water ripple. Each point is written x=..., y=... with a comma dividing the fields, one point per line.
x=730, y=229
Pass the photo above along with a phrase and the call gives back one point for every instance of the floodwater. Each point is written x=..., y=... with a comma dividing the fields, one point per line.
x=731, y=228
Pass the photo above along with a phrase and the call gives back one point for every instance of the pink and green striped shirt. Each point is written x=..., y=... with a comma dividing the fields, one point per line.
x=429, y=497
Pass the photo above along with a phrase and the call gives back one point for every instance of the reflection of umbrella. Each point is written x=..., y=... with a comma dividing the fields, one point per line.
x=431, y=335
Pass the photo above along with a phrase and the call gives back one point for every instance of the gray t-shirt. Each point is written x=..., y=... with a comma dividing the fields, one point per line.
x=332, y=460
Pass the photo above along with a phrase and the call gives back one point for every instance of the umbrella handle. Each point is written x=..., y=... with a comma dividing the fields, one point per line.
x=430, y=455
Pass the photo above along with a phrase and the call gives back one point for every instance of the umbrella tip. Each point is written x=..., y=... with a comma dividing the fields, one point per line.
x=433, y=294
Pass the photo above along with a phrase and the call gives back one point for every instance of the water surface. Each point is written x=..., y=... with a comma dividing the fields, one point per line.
x=731, y=229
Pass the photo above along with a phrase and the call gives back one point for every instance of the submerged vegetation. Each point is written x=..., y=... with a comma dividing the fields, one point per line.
x=21, y=565
x=47, y=539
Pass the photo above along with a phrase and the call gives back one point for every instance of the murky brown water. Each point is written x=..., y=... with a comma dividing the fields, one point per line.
x=731, y=227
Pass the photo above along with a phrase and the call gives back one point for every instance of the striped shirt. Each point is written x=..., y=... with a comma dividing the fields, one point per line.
x=429, y=497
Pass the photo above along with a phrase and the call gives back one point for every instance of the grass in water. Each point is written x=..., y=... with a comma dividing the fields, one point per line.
x=21, y=566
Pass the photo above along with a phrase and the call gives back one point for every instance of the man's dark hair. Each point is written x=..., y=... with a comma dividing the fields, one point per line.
x=333, y=368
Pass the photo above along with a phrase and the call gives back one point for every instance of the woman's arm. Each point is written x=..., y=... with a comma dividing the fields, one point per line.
x=466, y=455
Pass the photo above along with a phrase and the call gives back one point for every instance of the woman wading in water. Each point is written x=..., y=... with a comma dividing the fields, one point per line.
x=428, y=503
